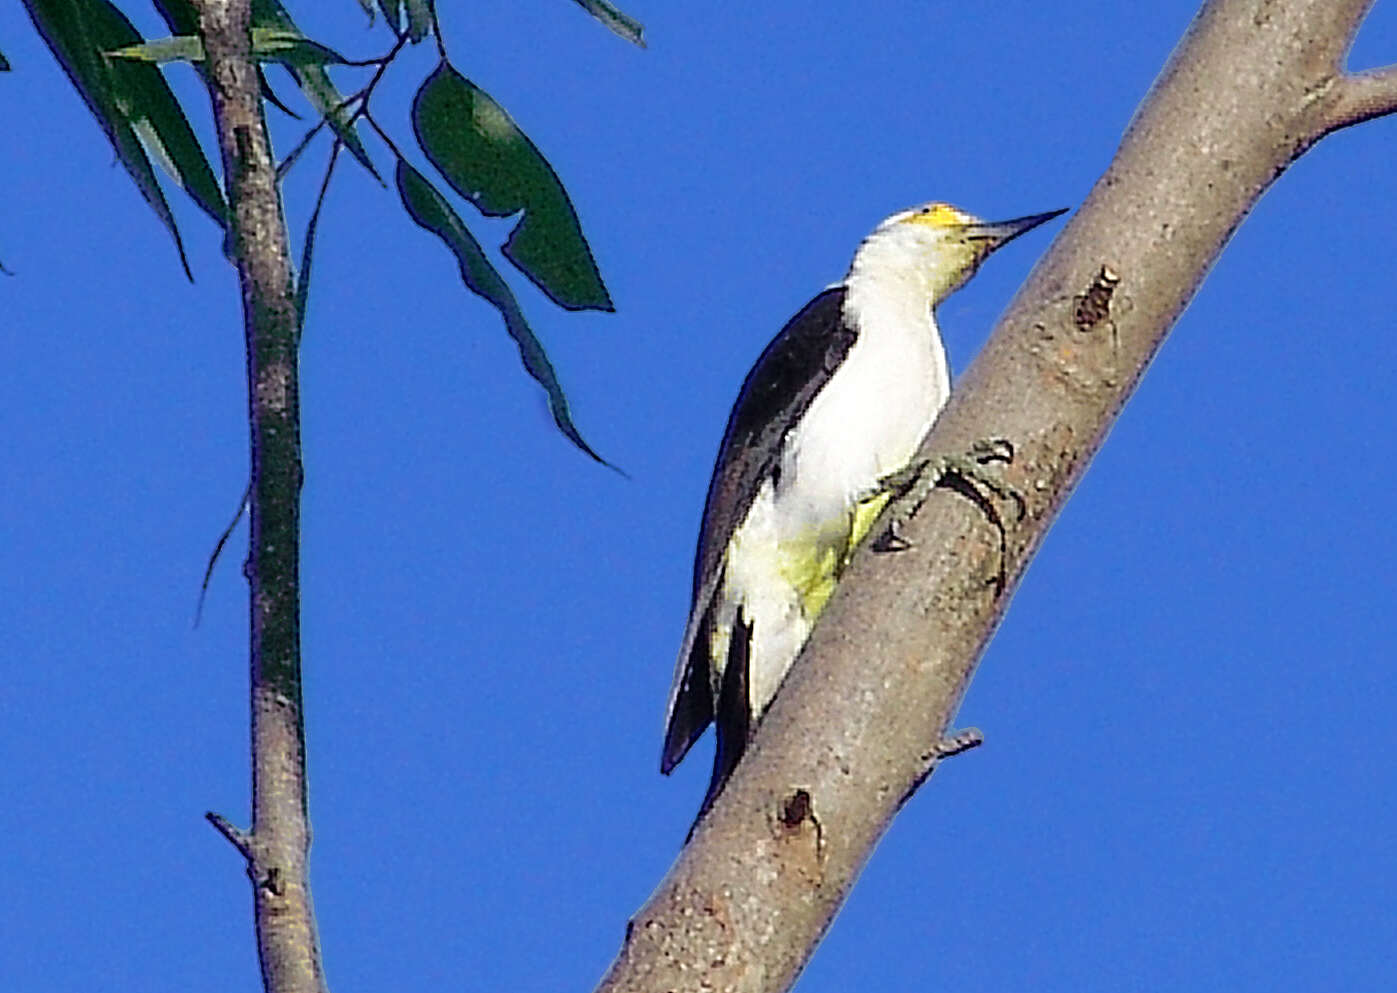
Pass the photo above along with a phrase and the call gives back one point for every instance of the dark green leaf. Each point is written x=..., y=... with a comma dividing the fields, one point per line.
x=368, y=6
x=131, y=101
x=429, y=209
x=620, y=23
x=489, y=161
x=151, y=108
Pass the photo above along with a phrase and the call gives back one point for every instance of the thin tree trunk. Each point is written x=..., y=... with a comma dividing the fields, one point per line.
x=277, y=846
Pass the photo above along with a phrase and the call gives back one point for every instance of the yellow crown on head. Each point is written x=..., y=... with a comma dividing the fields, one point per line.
x=939, y=215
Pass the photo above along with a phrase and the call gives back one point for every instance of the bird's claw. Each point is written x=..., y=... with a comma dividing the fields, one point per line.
x=965, y=473
x=917, y=480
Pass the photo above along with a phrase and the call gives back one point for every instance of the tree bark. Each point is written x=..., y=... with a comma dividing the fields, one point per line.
x=861, y=719
x=277, y=846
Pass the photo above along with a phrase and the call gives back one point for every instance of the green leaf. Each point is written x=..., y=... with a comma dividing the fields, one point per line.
x=368, y=6
x=429, y=209
x=290, y=48
x=489, y=161
x=188, y=48
x=131, y=102
x=620, y=23
x=152, y=110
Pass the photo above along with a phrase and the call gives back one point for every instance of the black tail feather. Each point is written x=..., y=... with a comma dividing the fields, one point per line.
x=732, y=714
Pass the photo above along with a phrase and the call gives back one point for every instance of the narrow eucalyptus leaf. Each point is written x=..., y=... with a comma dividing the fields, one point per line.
x=275, y=44
x=181, y=48
x=153, y=112
x=429, y=208
x=139, y=93
x=489, y=161
x=78, y=32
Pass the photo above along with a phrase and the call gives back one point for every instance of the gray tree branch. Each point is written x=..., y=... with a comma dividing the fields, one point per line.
x=277, y=846
x=1363, y=96
x=861, y=718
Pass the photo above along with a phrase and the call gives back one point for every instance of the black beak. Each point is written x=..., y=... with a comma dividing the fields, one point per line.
x=1000, y=233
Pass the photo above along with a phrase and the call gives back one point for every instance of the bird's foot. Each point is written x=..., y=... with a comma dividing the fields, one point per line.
x=967, y=474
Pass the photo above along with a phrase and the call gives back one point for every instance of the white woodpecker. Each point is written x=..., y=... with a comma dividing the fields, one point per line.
x=839, y=401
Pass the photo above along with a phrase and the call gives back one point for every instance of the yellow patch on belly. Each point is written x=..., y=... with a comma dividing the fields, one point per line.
x=866, y=511
x=814, y=564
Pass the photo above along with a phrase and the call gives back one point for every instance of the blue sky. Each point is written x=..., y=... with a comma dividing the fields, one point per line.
x=1190, y=741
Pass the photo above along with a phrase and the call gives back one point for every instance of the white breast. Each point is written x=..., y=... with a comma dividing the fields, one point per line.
x=872, y=414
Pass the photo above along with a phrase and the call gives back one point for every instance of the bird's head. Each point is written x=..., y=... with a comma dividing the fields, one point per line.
x=938, y=246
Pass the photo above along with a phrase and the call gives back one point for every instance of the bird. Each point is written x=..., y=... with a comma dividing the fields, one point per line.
x=837, y=403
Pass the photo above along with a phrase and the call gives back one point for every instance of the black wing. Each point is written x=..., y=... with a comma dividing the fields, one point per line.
x=774, y=396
